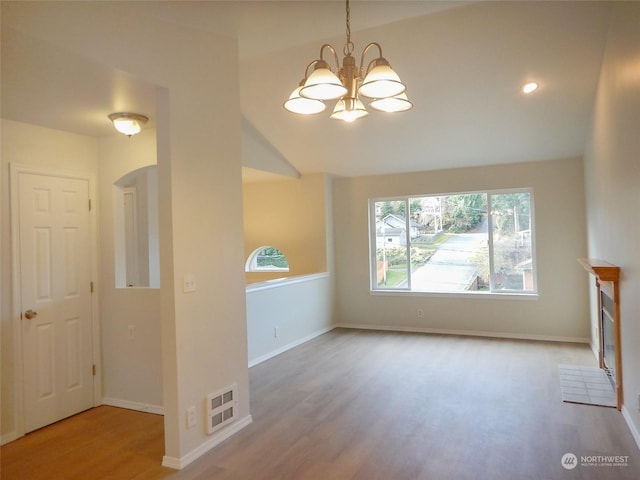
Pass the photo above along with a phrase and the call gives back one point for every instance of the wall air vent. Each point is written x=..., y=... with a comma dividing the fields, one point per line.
x=221, y=408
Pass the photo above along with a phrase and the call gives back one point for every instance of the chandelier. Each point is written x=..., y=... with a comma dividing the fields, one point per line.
x=378, y=83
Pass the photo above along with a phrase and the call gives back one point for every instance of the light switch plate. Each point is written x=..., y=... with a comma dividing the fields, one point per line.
x=191, y=417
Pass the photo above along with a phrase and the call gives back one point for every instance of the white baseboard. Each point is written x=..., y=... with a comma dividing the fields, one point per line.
x=141, y=407
x=472, y=333
x=632, y=427
x=8, y=437
x=289, y=346
x=215, y=440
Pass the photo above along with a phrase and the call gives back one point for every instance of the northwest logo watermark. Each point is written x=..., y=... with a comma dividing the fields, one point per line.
x=569, y=461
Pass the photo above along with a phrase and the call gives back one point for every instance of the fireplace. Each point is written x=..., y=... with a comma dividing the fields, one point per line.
x=609, y=350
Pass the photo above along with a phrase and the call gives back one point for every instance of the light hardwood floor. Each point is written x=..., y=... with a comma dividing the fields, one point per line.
x=365, y=405
x=99, y=444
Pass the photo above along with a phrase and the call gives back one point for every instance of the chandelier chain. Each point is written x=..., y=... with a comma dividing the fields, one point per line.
x=348, y=47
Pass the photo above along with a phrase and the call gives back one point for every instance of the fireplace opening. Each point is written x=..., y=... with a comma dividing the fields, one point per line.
x=608, y=335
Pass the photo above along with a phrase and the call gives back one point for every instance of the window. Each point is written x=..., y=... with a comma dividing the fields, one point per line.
x=455, y=243
x=266, y=259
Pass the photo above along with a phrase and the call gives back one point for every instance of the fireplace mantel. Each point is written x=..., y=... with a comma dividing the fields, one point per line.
x=604, y=271
x=607, y=278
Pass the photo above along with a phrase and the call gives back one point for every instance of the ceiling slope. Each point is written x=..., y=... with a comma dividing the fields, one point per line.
x=463, y=63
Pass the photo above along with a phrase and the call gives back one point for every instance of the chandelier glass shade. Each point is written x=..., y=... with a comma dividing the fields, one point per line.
x=399, y=103
x=349, y=110
x=302, y=105
x=378, y=82
x=323, y=84
x=381, y=82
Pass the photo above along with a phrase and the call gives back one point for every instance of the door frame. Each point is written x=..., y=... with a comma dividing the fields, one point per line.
x=15, y=170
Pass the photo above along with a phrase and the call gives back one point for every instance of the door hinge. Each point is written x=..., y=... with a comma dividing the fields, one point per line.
x=94, y=370
x=91, y=286
x=89, y=204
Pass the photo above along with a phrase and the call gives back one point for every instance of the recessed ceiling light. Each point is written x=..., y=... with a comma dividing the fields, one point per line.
x=529, y=87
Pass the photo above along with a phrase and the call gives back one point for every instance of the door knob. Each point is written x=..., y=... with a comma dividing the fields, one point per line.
x=29, y=314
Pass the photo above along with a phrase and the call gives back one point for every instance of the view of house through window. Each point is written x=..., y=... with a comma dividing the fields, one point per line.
x=266, y=259
x=470, y=242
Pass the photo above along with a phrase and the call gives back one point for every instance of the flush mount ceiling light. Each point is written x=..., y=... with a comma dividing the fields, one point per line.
x=128, y=124
x=377, y=82
x=529, y=87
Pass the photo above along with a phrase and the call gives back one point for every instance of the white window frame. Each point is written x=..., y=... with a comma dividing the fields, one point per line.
x=492, y=292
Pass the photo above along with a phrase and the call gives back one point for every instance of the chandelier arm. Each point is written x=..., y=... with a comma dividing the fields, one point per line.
x=335, y=55
x=306, y=70
x=369, y=66
x=366, y=49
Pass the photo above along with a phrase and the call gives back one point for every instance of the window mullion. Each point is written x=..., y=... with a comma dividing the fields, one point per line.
x=490, y=240
x=408, y=241
x=373, y=247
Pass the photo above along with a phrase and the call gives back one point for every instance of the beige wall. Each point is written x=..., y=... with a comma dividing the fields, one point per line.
x=132, y=369
x=612, y=177
x=290, y=215
x=44, y=148
x=559, y=312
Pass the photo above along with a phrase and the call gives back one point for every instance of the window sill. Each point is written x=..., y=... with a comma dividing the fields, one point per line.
x=467, y=295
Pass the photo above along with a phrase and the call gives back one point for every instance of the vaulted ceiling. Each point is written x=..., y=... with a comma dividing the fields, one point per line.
x=463, y=64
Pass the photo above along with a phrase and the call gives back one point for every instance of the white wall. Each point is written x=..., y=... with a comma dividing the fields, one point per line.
x=561, y=310
x=36, y=147
x=612, y=178
x=132, y=368
x=199, y=175
x=282, y=314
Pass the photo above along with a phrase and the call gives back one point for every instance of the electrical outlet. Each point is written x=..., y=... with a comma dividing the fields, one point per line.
x=189, y=283
x=420, y=312
x=191, y=417
x=276, y=331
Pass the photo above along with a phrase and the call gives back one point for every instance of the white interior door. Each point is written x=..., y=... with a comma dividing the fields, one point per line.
x=55, y=294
